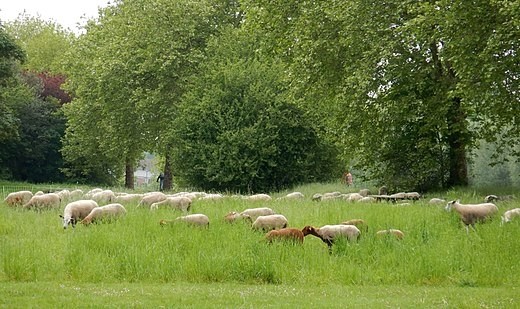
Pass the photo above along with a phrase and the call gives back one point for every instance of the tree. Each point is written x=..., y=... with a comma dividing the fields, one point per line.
x=409, y=82
x=238, y=129
x=128, y=72
x=45, y=43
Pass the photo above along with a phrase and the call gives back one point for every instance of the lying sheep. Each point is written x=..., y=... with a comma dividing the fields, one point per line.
x=391, y=232
x=510, y=214
x=331, y=233
x=76, y=211
x=359, y=223
x=285, y=234
x=181, y=203
x=151, y=198
x=294, y=196
x=18, y=198
x=44, y=201
x=258, y=197
x=269, y=222
x=472, y=213
x=436, y=200
x=194, y=219
x=107, y=212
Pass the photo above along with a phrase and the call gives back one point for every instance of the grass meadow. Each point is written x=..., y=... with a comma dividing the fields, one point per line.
x=135, y=262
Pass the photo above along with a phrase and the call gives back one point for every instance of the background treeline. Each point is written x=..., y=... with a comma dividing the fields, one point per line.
x=264, y=95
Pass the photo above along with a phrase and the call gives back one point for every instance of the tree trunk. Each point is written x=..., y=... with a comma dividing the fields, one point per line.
x=458, y=139
x=168, y=176
x=129, y=174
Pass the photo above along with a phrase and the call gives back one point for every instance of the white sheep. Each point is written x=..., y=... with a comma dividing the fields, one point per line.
x=331, y=233
x=76, y=194
x=398, y=234
x=107, y=212
x=436, y=200
x=412, y=196
x=18, y=198
x=150, y=198
x=269, y=222
x=367, y=199
x=194, y=219
x=76, y=211
x=472, y=213
x=181, y=203
x=294, y=196
x=495, y=198
x=104, y=197
x=364, y=192
x=510, y=214
x=49, y=200
x=128, y=198
x=258, y=197
x=89, y=194
x=253, y=213
x=354, y=197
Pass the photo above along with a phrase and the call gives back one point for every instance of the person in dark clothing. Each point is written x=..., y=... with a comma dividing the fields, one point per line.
x=160, y=179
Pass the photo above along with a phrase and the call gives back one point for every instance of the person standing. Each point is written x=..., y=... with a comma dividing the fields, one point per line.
x=160, y=179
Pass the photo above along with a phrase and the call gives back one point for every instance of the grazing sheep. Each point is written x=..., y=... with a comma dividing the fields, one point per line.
x=269, y=222
x=258, y=197
x=48, y=200
x=76, y=211
x=472, y=213
x=212, y=197
x=232, y=216
x=331, y=233
x=89, y=194
x=76, y=194
x=151, y=198
x=359, y=223
x=64, y=195
x=295, y=195
x=18, y=198
x=128, y=198
x=354, y=197
x=367, y=199
x=317, y=197
x=181, y=203
x=436, y=200
x=285, y=234
x=495, y=198
x=510, y=214
x=391, y=232
x=253, y=213
x=364, y=192
x=104, y=197
x=194, y=219
x=412, y=196
x=110, y=211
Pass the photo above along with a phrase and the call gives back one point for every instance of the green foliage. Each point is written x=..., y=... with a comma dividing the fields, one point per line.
x=44, y=42
x=401, y=80
x=239, y=130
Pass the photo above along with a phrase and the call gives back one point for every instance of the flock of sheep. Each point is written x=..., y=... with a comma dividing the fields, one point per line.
x=85, y=208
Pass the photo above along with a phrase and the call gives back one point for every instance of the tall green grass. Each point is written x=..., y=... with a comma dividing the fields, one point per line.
x=436, y=250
